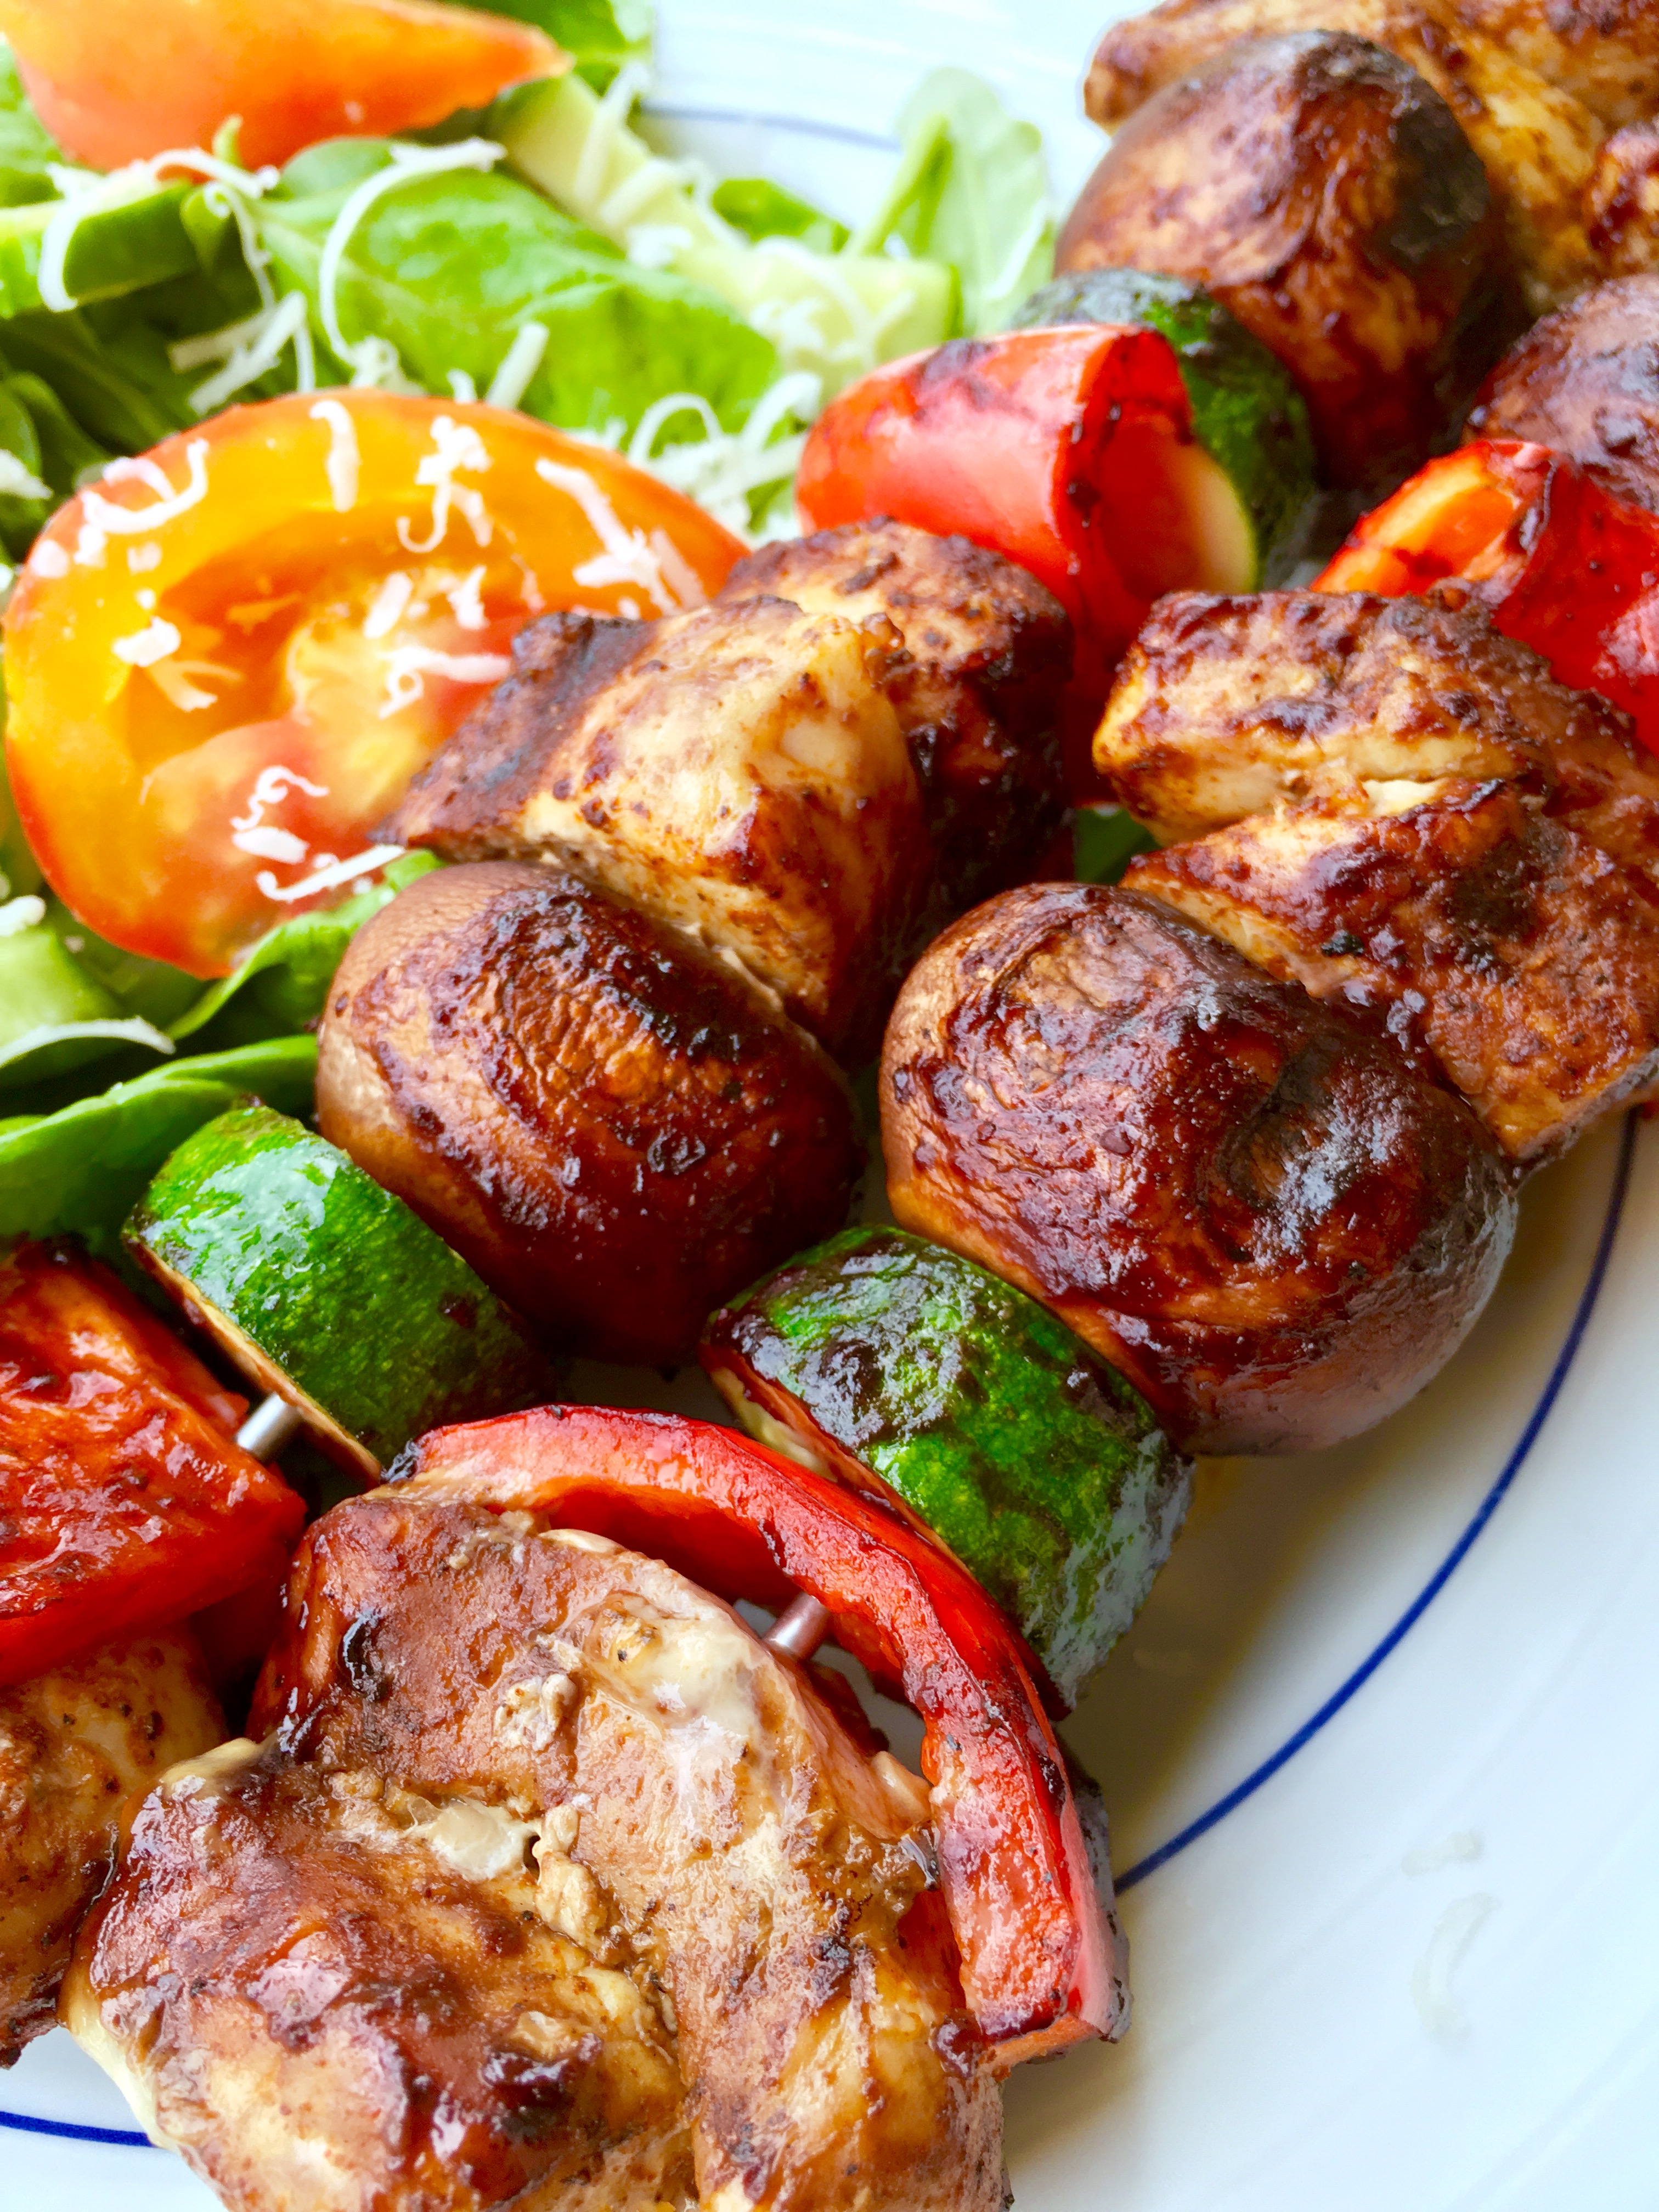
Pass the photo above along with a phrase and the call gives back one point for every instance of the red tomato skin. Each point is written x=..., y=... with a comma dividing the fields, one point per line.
x=1005, y=441
x=125, y=1502
x=1561, y=564
x=1037, y=1960
x=115, y=81
x=139, y=834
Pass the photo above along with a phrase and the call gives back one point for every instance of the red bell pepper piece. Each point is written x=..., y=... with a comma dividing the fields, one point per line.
x=1049, y=446
x=1559, y=562
x=125, y=1502
x=1037, y=1964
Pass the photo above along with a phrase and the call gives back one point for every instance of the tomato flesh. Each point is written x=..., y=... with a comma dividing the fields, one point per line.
x=225, y=663
x=116, y=80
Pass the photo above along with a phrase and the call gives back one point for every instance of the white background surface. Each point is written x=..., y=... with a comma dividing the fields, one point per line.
x=1278, y=2061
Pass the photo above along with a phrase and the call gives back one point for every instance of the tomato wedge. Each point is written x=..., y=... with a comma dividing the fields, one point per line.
x=116, y=80
x=225, y=661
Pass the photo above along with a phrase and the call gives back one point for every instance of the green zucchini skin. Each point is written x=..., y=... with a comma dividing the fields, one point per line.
x=358, y=1306
x=1038, y=1464
x=1247, y=413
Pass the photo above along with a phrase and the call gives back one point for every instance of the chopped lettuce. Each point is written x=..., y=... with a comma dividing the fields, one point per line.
x=833, y=316
x=972, y=189
x=760, y=209
x=600, y=36
x=1104, y=839
x=450, y=269
x=27, y=151
x=85, y=1167
x=281, y=985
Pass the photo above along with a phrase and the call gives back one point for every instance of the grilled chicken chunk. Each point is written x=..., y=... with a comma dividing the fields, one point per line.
x=1621, y=200
x=1224, y=707
x=552, y=1887
x=738, y=771
x=1324, y=193
x=1516, y=952
x=1585, y=381
x=1537, y=141
x=988, y=652
x=1250, y=1203
x=75, y=1744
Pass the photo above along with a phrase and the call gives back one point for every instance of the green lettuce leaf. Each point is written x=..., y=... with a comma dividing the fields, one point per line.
x=600, y=36
x=971, y=189
x=1104, y=839
x=760, y=209
x=84, y=1168
x=281, y=985
x=450, y=268
x=27, y=148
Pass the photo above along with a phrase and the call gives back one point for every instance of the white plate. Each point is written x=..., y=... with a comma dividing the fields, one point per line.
x=1406, y=1688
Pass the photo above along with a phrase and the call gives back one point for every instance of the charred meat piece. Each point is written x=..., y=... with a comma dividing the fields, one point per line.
x=1326, y=195
x=1522, y=957
x=739, y=772
x=988, y=652
x=1226, y=706
x=1536, y=142
x=75, y=1744
x=1585, y=381
x=613, y=1127
x=1621, y=200
x=1252, y=1204
x=325, y=1989
x=551, y=1874
x=1604, y=53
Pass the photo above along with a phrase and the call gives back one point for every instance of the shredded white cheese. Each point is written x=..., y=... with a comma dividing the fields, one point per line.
x=21, y=913
x=101, y=519
x=48, y=558
x=328, y=873
x=343, y=461
x=466, y=603
x=722, y=468
x=519, y=364
x=20, y=483
x=407, y=664
x=1431, y=1976
x=156, y=641
x=372, y=359
x=628, y=556
x=387, y=609
x=268, y=337
x=456, y=445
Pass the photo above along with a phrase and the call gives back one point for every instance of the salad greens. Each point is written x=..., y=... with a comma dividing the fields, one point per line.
x=971, y=190
x=601, y=36
x=85, y=1167
x=541, y=254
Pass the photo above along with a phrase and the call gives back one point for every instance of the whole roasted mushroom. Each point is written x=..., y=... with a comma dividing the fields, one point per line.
x=1251, y=1203
x=1585, y=381
x=616, y=1129
x=1326, y=195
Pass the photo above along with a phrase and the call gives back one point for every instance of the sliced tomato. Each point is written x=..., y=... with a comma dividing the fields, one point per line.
x=125, y=1502
x=116, y=80
x=225, y=662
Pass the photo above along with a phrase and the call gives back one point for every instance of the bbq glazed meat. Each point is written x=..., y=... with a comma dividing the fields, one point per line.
x=1535, y=137
x=1251, y=1204
x=1226, y=706
x=739, y=772
x=1394, y=804
x=616, y=1130
x=987, y=652
x=1523, y=958
x=1585, y=381
x=75, y=1744
x=553, y=1886
x=1326, y=195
